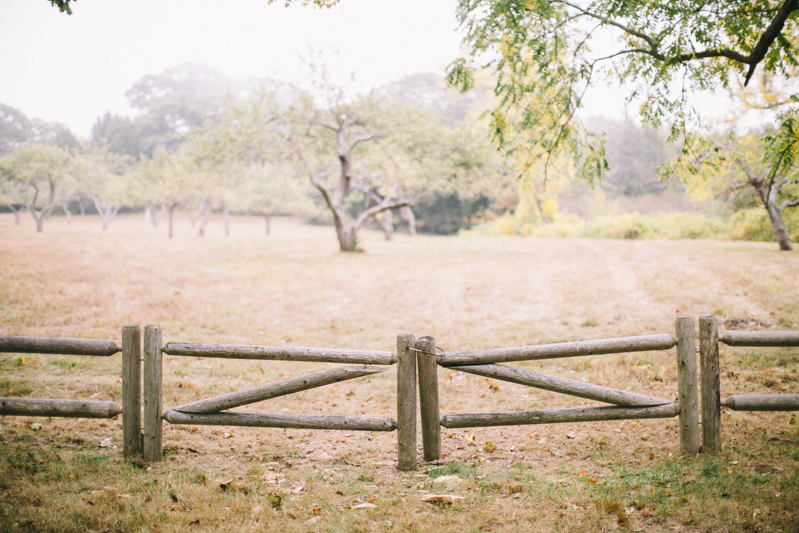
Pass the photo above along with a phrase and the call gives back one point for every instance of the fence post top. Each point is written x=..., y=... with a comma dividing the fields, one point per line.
x=406, y=336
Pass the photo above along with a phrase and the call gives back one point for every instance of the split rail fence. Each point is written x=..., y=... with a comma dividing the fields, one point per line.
x=415, y=359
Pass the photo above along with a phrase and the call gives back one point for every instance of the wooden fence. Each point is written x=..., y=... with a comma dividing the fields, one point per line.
x=711, y=382
x=131, y=404
x=415, y=359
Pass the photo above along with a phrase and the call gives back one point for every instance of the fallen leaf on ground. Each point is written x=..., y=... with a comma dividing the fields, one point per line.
x=364, y=505
x=106, y=443
x=441, y=498
x=224, y=485
x=313, y=520
x=275, y=499
x=140, y=464
x=446, y=479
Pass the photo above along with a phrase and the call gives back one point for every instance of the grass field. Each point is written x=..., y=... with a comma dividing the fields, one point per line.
x=294, y=288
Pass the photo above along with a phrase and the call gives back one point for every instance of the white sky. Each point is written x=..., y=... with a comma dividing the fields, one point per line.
x=72, y=69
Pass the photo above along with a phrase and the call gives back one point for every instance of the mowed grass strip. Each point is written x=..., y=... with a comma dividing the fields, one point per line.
x=294, y=288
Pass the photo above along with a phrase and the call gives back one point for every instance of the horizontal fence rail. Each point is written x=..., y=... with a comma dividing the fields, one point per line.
x=571, y=387
x=756, y=339
x=278, y=388
x=762, y=402
x=58, y=408
x=273, y=420
x=555, y=416
x=642, y=343
x=281, y=353
x=101, y=348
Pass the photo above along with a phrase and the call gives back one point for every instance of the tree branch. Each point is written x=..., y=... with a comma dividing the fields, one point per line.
x=626, y=29
x=788, y=203
x=769, y=36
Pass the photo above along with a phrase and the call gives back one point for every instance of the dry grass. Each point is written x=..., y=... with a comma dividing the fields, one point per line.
x=294, y=288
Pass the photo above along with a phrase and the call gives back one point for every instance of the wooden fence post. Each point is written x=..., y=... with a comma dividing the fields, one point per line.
x=131, y=390
x=406, y=402
x=153, y=434
x=428, y=397
x=711, y=394
x=687, y=385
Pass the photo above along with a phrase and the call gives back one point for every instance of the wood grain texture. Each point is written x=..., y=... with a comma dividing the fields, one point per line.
x=760, y=338
x=406, y=402
x=571, y=387
x=555, y=416
x=278, y=388
x=153, y=432
x=131, y=390
x=762, y=402
x=642, y=343
x=281, y=353
x=275, y=420
x=711, y=396
x=687, y=385
x=58, y=408
x=428, y=397
x=62, y=346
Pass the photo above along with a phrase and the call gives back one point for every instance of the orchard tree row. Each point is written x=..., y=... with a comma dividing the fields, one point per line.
x=201, y=142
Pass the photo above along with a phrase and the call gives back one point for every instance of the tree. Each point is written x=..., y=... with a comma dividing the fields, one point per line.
x=744, y=168
x=101, y=175
x=165, y=178
x=16, y=130
x=634, y=154
x=324, y=132
x=540, y=51
x=119, y=134
x=38, y=169
x=175, y=102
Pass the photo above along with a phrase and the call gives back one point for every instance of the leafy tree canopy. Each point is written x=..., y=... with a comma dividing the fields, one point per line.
x=547, y=53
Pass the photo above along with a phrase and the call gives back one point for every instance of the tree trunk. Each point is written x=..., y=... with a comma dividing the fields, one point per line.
x=17, y=213
x=148, y=213
x=158, y=214
x=266, y=216
x=388, y=224
x=226, y=215
x=346, y=236
x=107, y=210
x=82, y=207
x=406, y=213
x=540, y=204
x=206, y=212
x=778, y=225
x=39, y=220
x=171, y=215
x=67, y=212
x=194, y=217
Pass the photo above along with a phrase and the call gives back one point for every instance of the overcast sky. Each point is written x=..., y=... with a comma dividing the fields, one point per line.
x=72, y=69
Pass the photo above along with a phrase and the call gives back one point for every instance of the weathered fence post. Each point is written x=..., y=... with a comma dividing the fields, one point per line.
x=687, y=385
x=711, y=394
x=406, y=402
x=428, y=397
x=131, y=390
x=153, y=434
